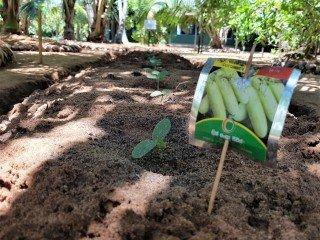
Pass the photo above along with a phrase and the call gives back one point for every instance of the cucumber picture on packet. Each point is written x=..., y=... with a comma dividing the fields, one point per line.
x=257, y=107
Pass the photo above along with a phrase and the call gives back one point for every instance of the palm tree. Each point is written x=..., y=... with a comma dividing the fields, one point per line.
x=34, y=10
x=6, y=55
x=9, y=13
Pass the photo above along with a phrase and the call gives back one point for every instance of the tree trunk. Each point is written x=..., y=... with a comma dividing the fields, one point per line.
x=10, y=16
x=236, y=44
x=215, y=40
x=97, y=29
x=24, y=25
x=316, y=50
x=40, y=35
x=121, y=34
x=310, y=48
x=68, y=8
x=88, y=5
x=78, y=33
x=113, y=30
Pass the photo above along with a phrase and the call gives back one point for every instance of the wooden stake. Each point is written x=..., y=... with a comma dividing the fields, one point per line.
x=218, y=176
x=226, y=144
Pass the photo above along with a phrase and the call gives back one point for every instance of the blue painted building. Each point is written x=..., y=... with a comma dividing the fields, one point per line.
x=187, y=35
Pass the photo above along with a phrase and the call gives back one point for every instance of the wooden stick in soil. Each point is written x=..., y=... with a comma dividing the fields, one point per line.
x=226, y=145
x=218, y=176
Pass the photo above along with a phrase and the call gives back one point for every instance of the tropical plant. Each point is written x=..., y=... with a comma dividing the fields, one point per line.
x=9, y=10
x=34, y=10
x=167, y=14
x=298, y=18
x=159, y=134
x=6, y=55
x=257, y=21
x=81, y=22
x=52, y=24
x=210, y=16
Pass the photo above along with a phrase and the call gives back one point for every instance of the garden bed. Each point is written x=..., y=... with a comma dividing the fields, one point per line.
x=67, y=173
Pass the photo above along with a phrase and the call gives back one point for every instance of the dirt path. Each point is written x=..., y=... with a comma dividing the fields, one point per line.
x=66, y=172
x=26, y=75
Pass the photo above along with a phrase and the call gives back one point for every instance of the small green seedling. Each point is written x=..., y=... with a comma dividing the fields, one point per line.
x=155, y=73
x=158, y=76
x=155, y=62
x=159, y=133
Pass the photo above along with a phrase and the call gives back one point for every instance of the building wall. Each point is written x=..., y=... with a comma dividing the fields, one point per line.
x=186, y=36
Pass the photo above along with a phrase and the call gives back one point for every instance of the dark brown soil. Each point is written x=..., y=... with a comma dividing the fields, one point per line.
x=66, y=170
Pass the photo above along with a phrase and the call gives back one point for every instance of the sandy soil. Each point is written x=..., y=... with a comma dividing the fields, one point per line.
x=25, y=75
x=66, y=170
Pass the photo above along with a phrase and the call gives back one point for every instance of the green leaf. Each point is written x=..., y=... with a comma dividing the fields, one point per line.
x=162, y=129
x=153, y=77
x=154, y=61
x=143, y=148
x=161, y=144
x=162, y=75
x=165, y=72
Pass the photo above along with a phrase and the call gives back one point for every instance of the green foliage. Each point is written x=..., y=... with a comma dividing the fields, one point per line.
x=154, y=62
x=53, y=23
x=258, y=17
x=290, y=23
x=274, y=21
x=52, y=17
x=210, y=16
x=158, y=75
x=143, y=148
x=299, y=20
x=161, y=130
x=168, y=15
x=159, y=134
x=81, y=22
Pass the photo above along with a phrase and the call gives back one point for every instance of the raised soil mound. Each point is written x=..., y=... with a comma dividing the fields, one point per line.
x=26, y=43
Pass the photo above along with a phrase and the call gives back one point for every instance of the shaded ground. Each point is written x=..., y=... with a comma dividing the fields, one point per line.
x=25, y=75
x=67, y=172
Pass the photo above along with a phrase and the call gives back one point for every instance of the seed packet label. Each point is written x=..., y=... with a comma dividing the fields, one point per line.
x=230, y=64
x=250, y=113
x=280, y=73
